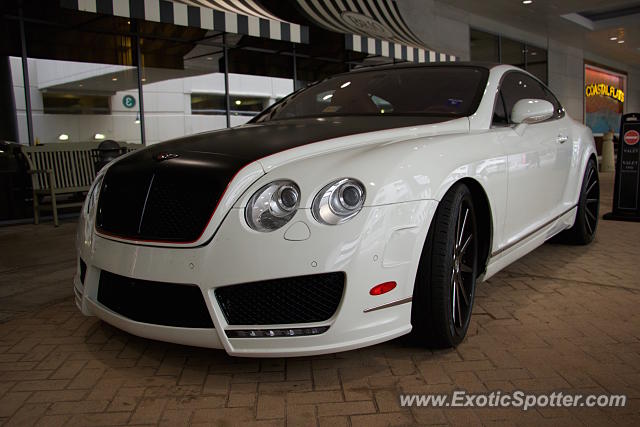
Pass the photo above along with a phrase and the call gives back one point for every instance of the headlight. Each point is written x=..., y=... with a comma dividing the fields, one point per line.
x=273, y=205
x=339, y=201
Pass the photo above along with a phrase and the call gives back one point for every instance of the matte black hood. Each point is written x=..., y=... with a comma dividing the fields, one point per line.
x=254, y=141
x=169, y=191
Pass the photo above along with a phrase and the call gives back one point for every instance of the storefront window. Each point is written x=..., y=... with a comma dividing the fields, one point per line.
x=484, y=46
x=494, y=48
x=604, y=99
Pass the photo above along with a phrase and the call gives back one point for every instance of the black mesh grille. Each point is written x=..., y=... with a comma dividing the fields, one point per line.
x=158, y=303
x=177, y=209
x=159, y=202
x=301, y=299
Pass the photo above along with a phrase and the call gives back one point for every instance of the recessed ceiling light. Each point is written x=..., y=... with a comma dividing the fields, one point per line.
x=63, y=137
x=527, y=1
x=614, y=38
x=620, y=41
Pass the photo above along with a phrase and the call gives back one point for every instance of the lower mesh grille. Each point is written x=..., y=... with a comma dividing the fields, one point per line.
x=301, y=299
x=159, y=303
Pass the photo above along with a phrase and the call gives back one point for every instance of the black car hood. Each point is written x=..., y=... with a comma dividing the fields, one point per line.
x=254, y=141
x=169, y=191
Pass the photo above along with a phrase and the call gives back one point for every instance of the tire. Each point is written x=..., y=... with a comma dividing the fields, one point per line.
x=586, y=223
x=440, y=316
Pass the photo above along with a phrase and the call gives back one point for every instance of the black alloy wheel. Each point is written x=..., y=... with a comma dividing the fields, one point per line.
x=445, y=284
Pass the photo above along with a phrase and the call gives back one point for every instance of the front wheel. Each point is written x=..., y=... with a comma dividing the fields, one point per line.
x=445, y=283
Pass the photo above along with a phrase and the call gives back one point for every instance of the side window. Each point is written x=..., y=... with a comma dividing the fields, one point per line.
x=559, y=111
x=517, y=86
x=499, y=113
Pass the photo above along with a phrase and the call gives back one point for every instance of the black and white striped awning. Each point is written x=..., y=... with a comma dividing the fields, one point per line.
x=374, y=27
x=244, y=17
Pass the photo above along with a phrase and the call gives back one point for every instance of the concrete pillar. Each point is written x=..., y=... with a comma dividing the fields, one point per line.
x=608, y=162
x=8, y=119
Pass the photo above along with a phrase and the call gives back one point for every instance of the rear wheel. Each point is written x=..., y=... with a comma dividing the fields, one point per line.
x=586, y=223
x=445, y=284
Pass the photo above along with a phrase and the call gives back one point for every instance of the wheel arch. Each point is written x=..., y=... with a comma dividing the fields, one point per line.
x=484, y=218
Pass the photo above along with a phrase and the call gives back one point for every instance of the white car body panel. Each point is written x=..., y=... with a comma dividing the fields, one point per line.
x=531, y=181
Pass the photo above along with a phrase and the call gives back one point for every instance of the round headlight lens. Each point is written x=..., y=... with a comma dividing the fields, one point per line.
x=339, y=201
x=273, y=205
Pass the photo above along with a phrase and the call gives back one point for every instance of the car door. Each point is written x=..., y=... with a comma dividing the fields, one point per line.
x=535, y=186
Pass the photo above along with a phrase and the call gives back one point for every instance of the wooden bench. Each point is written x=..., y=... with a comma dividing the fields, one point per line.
x=61, y=174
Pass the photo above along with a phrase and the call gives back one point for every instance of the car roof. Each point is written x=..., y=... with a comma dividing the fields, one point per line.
x=474, y=64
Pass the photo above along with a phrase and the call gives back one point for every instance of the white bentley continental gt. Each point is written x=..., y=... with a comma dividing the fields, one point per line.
x=359, y=209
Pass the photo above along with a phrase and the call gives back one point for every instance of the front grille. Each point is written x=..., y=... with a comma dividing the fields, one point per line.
x=178, y=206
x=171, y=201
x=158, y=303
x=301, y=299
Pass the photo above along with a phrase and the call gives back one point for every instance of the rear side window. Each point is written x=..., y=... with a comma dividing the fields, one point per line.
x=517, y=86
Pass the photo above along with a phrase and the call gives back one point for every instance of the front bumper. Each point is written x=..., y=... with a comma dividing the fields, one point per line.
x=380, y=244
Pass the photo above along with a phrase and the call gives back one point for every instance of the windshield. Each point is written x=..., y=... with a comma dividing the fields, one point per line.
x=431, y=91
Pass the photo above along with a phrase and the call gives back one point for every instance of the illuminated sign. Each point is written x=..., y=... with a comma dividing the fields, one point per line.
x=604, y=90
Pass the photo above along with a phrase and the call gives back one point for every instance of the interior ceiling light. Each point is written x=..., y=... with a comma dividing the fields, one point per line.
x=614, y=38
x=527, y=1
x=115, y=79
x=98, y=136
x=63, y=137
x=620, y=41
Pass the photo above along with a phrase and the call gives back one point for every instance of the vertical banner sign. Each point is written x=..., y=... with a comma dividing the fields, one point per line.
x=626, y=196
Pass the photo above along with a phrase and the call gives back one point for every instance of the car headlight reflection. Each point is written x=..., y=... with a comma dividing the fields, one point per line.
x=89, y=209
x=92, y=196
x=273, y=205
x=339, y=201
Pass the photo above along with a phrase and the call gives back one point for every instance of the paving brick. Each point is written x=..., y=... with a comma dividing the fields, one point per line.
x=28, y=414
x=57, y=396
x=387, y=419
x=270, y=406
x=239, y=399
x=148, y=411
x=345, y=408
x=11, y=402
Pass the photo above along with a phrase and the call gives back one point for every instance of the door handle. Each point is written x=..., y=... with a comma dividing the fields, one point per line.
x=562, y=139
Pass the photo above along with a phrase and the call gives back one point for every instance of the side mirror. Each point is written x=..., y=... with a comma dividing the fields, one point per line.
x=531, y=111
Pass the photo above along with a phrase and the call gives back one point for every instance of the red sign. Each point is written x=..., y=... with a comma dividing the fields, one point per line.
x=631, y=137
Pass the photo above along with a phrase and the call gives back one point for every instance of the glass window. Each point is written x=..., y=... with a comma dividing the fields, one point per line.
x=537, y=62
x=513, y=52
x=484, y=46
x=453, y=91
x=499, y=113
x=559, y=110
x=517, y=86
x=73, y=103
x=213, y=103
x=492, y=48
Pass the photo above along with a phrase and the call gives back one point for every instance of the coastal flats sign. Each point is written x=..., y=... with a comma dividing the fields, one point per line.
x=603, y=89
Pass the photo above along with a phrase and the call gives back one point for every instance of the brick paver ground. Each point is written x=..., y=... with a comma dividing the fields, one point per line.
x=561, y=319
